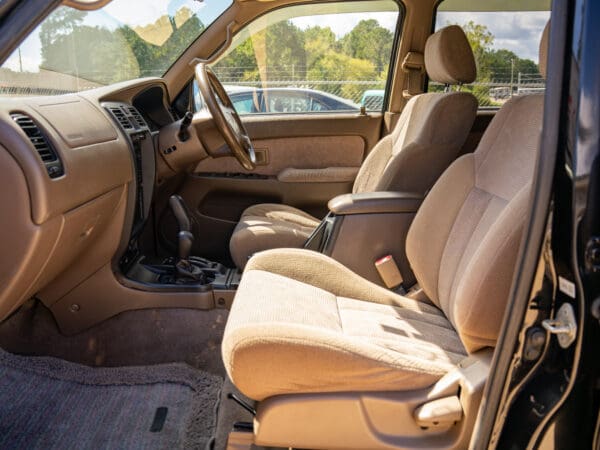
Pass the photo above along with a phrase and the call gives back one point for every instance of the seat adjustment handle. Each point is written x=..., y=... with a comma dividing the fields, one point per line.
x=440, y=413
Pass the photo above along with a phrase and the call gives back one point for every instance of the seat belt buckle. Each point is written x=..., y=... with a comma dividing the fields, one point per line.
x=388, y=271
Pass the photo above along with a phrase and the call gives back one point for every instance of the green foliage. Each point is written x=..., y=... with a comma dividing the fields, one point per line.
x=327, y=61
x=497, y=66
x=279, y=49
x=494, y=64
x=240, y=64
x=60, y=23
x=502, y=63
x=280, y=52
x=81, y=50
x=333, y=66
x=313, y=54
x=318, y=43
x=481, y=40
x=285, y=49
x=154, y=60
x=370, y=41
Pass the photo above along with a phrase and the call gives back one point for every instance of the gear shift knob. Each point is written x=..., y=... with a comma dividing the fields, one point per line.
x=180, y=213
x=186, y=241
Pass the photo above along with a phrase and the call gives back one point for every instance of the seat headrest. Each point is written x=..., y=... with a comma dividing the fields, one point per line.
x=544, y=44
x=449, y=58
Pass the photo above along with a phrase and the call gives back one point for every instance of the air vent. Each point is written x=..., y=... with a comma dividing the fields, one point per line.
x=41, y=144
x=121, y=117
x=136, y=116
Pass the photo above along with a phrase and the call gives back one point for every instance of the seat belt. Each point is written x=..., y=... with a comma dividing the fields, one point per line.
x=389, y=272
x=414, y=65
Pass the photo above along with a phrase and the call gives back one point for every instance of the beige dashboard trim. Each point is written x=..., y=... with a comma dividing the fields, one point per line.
x=102, y=296
x=90, y=170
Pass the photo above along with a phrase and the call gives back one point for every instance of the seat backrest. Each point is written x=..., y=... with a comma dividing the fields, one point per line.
x=432, y=127
x=464, y=241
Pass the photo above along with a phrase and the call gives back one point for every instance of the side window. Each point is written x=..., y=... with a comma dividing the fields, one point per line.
x=243, y=105
x=306, y=58
x=505, y=44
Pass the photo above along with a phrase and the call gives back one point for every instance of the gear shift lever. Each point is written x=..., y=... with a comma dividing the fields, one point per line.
x=184, y=267
x=186, y=241
x=180, y=212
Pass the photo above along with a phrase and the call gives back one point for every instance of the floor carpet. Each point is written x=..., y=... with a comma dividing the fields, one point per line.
x=53, y=404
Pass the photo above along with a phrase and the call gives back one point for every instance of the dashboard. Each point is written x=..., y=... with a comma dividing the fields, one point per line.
x=79, y=172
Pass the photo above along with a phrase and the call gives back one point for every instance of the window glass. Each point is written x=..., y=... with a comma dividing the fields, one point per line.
x=505, y=43
x=73, y=50
x=243, y=105
x=319, y=57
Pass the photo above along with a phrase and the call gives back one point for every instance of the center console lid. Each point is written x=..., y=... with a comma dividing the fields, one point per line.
x=375, y=203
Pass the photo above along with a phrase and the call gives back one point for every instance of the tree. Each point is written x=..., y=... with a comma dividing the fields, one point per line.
x=370, y=41
x=334, y=67
x=502, y=63
x=285, y=50
x=319, y=41
x=278, y=50
x=481, y=40
x=154, y=60
x=239, y=65
x=107, y=56
x=60, y=23
x=72, y=48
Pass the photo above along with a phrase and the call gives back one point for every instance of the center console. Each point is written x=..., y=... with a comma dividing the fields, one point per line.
x=180, y=273
x=360, y=229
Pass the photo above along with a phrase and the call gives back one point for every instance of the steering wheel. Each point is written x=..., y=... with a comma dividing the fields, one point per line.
x=225, y=116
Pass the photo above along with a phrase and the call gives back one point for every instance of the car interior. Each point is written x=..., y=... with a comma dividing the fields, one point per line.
x=184, y=276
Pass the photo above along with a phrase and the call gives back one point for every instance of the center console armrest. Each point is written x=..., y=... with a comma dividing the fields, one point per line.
x=375, y=203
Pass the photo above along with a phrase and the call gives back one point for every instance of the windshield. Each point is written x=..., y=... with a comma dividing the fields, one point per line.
x=75, y=50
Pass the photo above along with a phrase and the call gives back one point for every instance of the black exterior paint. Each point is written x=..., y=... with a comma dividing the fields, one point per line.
x=561, y=389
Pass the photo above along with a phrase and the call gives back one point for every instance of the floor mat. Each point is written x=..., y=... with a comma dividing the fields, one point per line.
x=50, y=403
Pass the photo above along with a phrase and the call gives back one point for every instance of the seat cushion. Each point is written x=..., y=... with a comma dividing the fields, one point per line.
x=268, y=226
x=287, y=334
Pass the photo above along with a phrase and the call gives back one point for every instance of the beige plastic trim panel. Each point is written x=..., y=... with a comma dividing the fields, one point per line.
x=102, y=296
x=373, y=420
x=375, y=203
x=26, y=246
x=299, y=152
x=373, y=236
x=439, y=413
x=240, y=440
x=325, y=175
x=52, y=197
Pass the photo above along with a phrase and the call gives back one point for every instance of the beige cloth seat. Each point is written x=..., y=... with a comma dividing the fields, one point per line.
x=301, y=322
x=427, y=138
x=270, y=225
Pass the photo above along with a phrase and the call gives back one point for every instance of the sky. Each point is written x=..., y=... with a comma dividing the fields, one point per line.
x=519, y=32
x=342, y=25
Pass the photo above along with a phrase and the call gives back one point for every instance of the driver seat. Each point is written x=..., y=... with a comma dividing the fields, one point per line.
x=427, y=138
